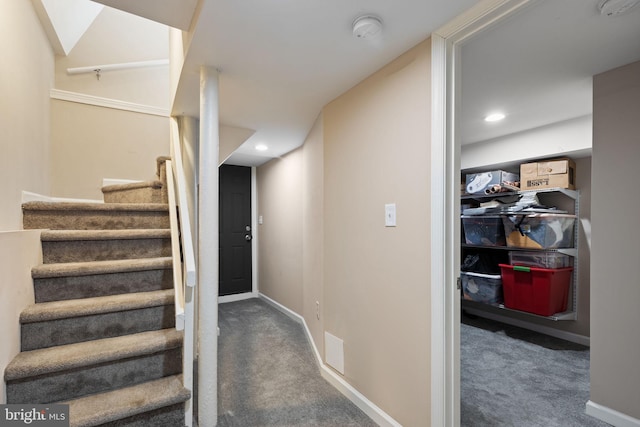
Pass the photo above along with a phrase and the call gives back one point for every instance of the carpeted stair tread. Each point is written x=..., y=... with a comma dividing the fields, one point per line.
x=135, y=192
x=88, y=206
x=73, y=356
x=66, y=309
x=66, y=246
x=69, y=269
x=132, y=186
x=126, y=234
x=116, y=405
x=91, y=216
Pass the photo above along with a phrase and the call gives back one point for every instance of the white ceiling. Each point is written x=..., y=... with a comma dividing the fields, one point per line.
x=282, y=61
x=537, y=65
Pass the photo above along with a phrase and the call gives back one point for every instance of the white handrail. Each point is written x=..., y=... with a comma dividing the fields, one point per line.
x=178, y=285
x=184, y=268
x=114, y=67
x=185, y=219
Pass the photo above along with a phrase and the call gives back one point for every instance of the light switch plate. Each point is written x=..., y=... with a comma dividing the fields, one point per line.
x=390, y=215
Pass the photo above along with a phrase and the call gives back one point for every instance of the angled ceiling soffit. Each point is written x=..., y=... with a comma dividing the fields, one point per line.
x=65, y=22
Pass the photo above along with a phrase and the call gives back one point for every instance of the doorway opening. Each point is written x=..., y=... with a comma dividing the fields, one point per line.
x=450, y=159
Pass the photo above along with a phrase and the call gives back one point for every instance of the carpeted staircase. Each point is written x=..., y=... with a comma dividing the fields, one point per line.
x=101, y=333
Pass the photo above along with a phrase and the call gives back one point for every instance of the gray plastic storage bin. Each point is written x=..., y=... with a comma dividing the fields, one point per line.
x=479, y=287
x=539, y=259
x=483, y=230
x=539, y=231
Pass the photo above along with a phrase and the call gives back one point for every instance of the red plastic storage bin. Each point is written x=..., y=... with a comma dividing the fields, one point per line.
x=543, y=291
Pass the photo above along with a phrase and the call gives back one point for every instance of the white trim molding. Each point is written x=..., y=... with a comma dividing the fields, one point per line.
x=237, y=297
x=28, y=196
x=368, y=407
x=115, y=104
x=611, y=416
x=445, y=168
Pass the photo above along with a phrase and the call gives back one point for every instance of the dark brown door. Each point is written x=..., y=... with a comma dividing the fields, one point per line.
x=235, y=230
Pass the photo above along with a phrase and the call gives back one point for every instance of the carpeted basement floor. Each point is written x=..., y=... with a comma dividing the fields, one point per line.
x=510, y=377
x=518, y=378
x=268, y=376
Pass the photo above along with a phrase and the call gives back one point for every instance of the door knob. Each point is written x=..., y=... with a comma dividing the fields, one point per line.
x=248, y=237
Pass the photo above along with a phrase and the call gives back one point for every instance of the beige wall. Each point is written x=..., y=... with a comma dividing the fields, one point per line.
x=117, y=37
x=376, y=279
x=19, y=251
x=313, y=233
x=26, y=75
x=323, y=237
x=615, y=336
x=90, y=143
x=280, y=234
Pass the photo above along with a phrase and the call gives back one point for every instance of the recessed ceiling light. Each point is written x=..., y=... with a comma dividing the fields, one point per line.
x=494, y=117
x=261, y=147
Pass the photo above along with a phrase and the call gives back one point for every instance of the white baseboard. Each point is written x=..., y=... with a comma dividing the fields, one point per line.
x=567, y=336
x=368, y=407
x=34, y=197
x=611, y=416
x=237, y=297
x=295, y=316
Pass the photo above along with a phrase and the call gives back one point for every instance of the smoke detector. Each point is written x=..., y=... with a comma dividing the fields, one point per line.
x=616, y=7
x=367, y=27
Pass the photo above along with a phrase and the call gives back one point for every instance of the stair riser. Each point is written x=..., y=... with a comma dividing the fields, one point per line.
x=74, y=287
x=169, y=416
x=137, y=195
x=79, y=329
x=98, y=220
x=104, y=250
x=94, y=379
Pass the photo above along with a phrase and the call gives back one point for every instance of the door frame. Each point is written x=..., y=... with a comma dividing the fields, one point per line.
x=446, y=43
x=255, y=291
x=254, y=231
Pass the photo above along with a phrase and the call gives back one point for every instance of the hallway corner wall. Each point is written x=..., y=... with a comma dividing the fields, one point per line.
x=280, y=191
x=615, y=337
x=377, y=289
x=323, y=237
x=26, y=76
x=313, y=234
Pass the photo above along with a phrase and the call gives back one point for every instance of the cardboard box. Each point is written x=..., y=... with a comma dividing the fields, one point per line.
x=556, y=173
x=479, y=182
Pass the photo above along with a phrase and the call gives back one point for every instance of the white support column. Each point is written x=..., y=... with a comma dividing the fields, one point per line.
x=208, y=250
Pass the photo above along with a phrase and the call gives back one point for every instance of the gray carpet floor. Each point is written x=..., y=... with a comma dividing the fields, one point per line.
x=518, y=378
x=268, y=376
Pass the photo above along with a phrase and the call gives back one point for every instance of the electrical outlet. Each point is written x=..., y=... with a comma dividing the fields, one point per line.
x=318, y=309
